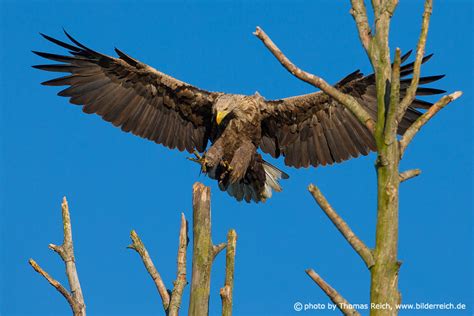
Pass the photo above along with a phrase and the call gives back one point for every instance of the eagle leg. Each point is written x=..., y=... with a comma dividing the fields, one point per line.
x=241, y=161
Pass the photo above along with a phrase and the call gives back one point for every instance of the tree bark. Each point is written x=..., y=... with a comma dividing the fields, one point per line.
x=203, y=251
x=384, y=274
x=227, y=291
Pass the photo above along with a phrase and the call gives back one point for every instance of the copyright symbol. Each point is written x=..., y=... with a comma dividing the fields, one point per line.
x=298, y=306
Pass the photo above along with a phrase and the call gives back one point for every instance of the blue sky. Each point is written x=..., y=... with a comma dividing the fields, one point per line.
x=116, y=182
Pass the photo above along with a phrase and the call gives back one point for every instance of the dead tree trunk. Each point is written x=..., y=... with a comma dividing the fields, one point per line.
x=204, y=251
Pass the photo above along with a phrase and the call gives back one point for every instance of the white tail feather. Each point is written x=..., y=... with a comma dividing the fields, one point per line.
x=272, y=174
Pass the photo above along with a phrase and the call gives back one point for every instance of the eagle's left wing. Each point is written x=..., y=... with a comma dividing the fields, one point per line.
x=134, y=96
x=314, y=129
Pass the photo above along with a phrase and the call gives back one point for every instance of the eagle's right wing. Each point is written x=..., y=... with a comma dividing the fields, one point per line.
x=134, y=96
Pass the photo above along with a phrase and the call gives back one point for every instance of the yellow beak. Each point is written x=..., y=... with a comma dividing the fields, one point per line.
x=220, y=116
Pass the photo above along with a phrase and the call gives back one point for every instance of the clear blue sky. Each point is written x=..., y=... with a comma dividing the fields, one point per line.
x=116, y=182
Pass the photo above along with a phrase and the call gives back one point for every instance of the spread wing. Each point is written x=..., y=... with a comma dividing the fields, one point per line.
x=133, y=96
x=314, y=129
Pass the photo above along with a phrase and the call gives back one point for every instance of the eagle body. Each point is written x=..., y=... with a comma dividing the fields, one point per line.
x=233, y=159
x=307, y=130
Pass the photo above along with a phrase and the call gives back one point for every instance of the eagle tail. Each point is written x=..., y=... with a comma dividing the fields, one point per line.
x=272, y=177
x=257, y=185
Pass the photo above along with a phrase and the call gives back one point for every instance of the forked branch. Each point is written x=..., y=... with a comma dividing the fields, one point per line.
x=66, y=251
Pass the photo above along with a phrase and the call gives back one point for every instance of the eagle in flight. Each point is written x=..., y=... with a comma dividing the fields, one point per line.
x=307, y=130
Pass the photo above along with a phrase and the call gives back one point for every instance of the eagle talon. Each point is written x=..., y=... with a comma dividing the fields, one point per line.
x=200, y=160
x=226, y=165
x=227, y=170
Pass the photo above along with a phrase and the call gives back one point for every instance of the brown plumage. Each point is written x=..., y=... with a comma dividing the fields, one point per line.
x=311, y=129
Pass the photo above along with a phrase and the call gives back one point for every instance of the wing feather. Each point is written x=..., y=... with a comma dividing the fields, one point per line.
x=133, y=96
x=346, y=139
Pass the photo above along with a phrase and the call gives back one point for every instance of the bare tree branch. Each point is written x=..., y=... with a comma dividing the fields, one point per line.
x=358, y=245
x=420, y=52
x=66, y=252
x=218, y=248
x=423, y=119
x=345, y=99
x=406, y=175
x=58, y=286
x=359, y=12
x=344, y=306
x=227, y=291
x=139, y=247
x=180, y=282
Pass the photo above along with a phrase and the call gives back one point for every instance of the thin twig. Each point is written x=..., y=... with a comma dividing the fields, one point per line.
x=139, y=247
x=227, y=291
x=344, y=306
x=423, y=119
x=218, y=248
x=420, y=52
x=406, y=175
x=180, y=282
x=358, y=245
x=75, y=297
x=345, y=99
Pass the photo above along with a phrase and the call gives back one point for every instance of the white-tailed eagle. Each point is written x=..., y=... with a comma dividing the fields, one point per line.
x=307, y=130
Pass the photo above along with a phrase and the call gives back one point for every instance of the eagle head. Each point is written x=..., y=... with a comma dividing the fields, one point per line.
x=225, y=105
x=235, y=106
